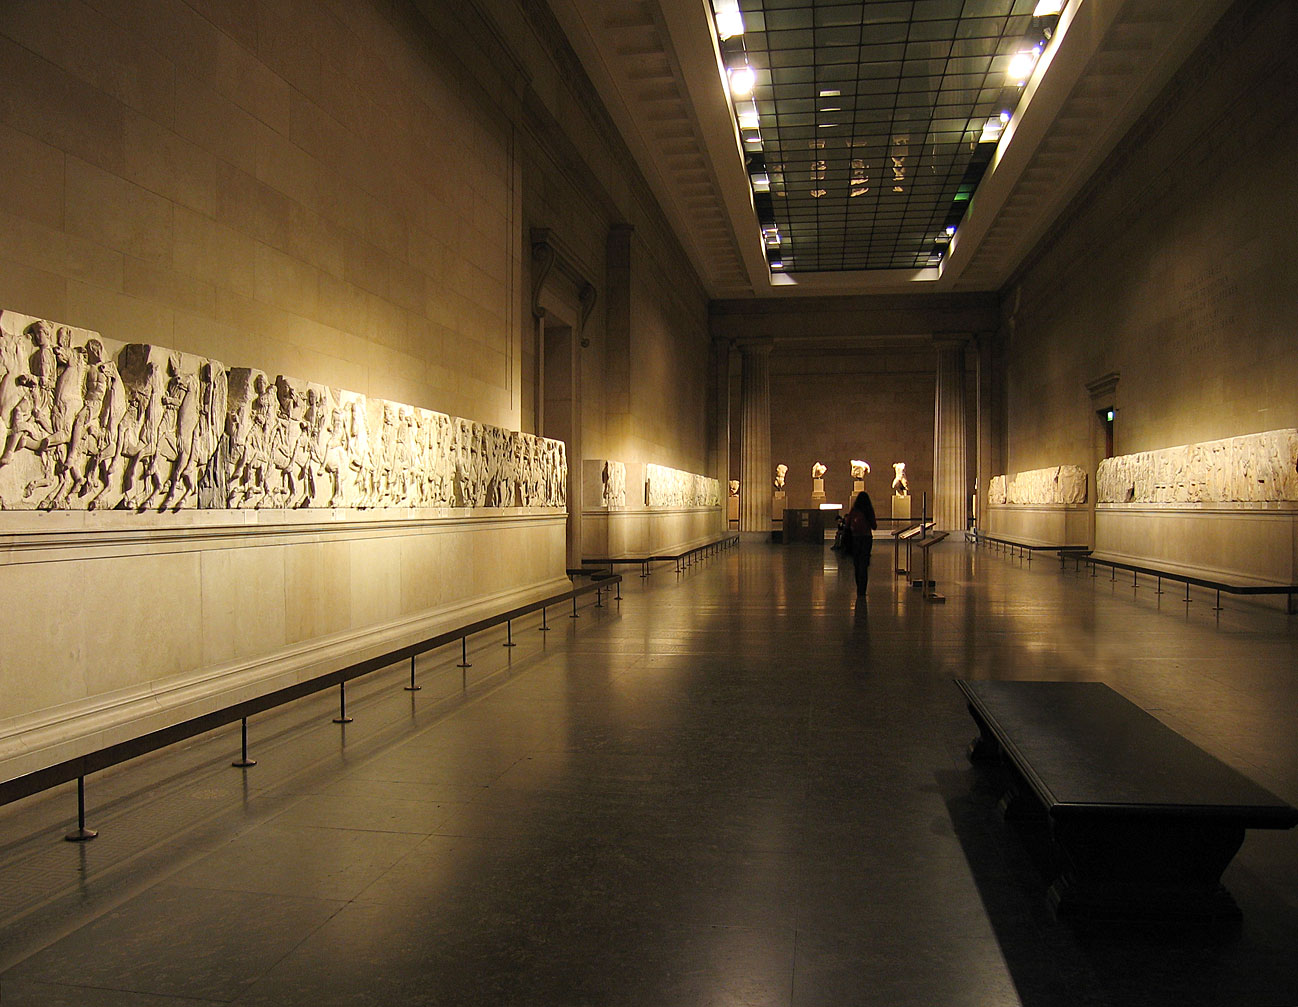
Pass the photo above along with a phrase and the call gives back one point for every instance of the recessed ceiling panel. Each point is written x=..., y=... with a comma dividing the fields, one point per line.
x=868, y=119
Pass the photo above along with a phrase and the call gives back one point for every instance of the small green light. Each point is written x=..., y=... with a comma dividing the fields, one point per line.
x=961, y=197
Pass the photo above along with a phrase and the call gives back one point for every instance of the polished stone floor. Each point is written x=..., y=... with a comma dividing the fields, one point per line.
x=737, y=786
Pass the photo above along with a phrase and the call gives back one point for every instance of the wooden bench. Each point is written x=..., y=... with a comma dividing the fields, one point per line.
x=1145, y=820
x=1160, y=574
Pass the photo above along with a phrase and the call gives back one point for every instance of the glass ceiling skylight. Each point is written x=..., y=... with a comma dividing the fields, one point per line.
x=866, y=126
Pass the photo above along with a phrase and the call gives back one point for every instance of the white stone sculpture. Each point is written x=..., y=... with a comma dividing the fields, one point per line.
x=733, y=486
x=860, y=469
x=900, y=485
x=1061, y=485
x=1251, y=468
x=87, y=423
x=668, y=487
x=613, y=482
x=818, y=471
x=781, y=471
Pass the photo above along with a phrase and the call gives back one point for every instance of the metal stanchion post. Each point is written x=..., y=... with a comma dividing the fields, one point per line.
x=244, y=762
x=342, y=717
x=412, y=687
x=544, y=626
x=81, y=833
x=464, y=653
x=509, y=634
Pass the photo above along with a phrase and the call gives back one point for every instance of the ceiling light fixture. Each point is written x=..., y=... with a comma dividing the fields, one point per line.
x=991, y=130
x=1046, y=8
x=1020, y=68
x=730, y=20
x=742, y=80
x=830, y=94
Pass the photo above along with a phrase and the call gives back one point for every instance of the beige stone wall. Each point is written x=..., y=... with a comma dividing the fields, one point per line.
x=668, y=357
x=344, y=191
x=833, y=406
x=285, y=184
x=1173, y=270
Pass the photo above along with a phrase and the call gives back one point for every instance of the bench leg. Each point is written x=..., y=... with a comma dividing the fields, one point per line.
x=985, y=747
x=1144, y=869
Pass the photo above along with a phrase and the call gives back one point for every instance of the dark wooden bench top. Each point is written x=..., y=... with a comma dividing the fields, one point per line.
x=1085, y=748
x=1145, y=820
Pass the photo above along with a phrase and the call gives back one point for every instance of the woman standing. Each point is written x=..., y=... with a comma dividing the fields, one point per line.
x=861, y=524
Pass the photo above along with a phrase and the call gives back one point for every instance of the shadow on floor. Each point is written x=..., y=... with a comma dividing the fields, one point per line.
x=1113, y=963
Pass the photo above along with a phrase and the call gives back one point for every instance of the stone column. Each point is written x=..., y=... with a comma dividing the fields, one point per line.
x=755, y=437
x=950, y=464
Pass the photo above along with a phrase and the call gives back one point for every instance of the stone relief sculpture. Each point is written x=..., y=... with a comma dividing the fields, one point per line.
x=92, y=424
x=1063, y=484
x=733, y=487
x=818, y=471
x=613, y=485
x=860, y=469
x=781, y=472
x=1251, y=468
x=668, y=487
x=900, y=485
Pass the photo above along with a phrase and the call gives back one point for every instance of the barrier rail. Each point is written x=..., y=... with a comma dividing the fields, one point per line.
x=1161, y=574
x=81, y=766
x=683, y=559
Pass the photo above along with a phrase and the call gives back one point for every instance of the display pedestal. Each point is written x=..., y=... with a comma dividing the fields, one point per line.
x=779, y=500
x=901, y=507
x=732, y=509
x=818, y=491
x=858, y=486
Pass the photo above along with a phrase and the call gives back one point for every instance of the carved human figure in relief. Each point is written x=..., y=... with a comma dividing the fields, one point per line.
x=361, y=463
x=860, y=469
x=900, y=485
x=818, y=471
x=781, y=472
x=87, y=437
x=734, y=487
x=184, y=405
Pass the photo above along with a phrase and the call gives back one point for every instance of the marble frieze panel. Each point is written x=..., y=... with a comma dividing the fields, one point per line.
x=1060, y=485
x=92, y=424
x=1251, y=468
x=668, y=487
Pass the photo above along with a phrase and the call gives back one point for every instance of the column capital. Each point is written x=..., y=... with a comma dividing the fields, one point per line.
x=951, y=340
x=753, y=345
